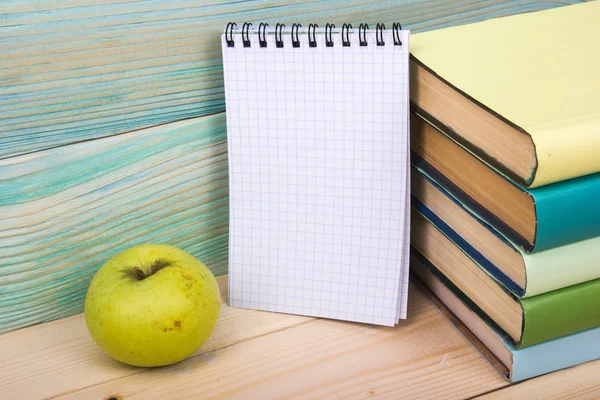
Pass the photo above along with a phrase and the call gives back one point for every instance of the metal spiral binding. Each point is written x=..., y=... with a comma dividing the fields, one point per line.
x=278, y=39
x=312, y=42
x=295, y=39
x=379, y=34
x=262, y=40
x=312, y=35
x=396, y=28
x=229, y=38
x=245, y=34
x=346, y=28
x=362, y=34
x=328, y=32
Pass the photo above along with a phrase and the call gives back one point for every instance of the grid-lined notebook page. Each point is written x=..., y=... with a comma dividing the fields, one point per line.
x=319, y=175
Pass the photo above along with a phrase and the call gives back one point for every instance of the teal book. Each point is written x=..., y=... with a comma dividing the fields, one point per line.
x=535, y=219
x=524, y=274
x=514, y=364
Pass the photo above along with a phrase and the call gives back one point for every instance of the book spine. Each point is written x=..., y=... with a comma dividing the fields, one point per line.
x=567, y=212
x=562, y=266
x=526, y=363
x=568, y=148
x=560, y=313
x=555, y=355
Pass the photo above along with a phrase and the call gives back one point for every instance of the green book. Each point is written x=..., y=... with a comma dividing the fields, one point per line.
x=515, y=364
x=525, y=321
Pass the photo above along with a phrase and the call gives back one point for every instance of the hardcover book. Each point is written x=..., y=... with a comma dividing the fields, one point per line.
x=535, y=219
x=521, y=92
x=514, y=364
x=524, y=274
x=526, y=321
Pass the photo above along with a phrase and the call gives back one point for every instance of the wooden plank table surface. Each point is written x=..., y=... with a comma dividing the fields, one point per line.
x=260, y=355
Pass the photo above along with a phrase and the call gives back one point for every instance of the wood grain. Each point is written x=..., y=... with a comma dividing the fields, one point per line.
x=60, y=356
x=256, y=354
x=76, y=70
x=66, y=211
x=421, y=358
x=580, y=382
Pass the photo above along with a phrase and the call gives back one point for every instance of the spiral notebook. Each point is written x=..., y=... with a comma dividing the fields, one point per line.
x=318, y=138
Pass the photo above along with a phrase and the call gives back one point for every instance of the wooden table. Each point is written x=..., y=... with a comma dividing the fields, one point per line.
x=261, y=355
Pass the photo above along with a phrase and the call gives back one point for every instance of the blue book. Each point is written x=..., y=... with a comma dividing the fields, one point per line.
x=514, y=364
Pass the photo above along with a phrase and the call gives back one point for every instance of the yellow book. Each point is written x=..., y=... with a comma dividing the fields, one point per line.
x=521, y=92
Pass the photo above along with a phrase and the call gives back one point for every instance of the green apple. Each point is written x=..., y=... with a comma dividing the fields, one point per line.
x=152, y=305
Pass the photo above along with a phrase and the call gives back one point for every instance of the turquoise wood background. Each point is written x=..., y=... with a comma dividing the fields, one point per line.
x=74, y=70
x=92, y=158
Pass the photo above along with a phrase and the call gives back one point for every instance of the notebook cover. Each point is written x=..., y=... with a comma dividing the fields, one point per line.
x=567, y=212
x=545, y=271
x=547, y=316
x=538, y=71
x=542, y=358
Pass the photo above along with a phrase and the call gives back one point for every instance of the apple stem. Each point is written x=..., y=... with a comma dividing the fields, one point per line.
x=154, y=268
x=140, y=274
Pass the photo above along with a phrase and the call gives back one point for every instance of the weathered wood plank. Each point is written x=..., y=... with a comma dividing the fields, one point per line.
x=76, y=70
x=256, y=354
x=423, y=357
x=65, y=211
x=58, y=357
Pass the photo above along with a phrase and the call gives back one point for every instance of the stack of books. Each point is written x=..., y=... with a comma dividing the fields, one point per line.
x=505, y=139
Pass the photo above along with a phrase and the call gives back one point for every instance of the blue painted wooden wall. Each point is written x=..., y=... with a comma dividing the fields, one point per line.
x=94, y=155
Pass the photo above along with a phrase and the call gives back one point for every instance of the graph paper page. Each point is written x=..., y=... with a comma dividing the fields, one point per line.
x=318, y=142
